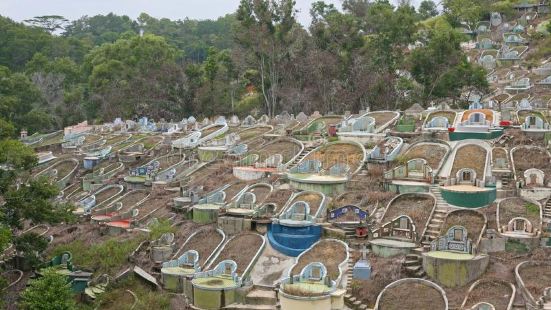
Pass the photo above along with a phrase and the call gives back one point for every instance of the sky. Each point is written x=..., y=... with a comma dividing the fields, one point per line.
x=20, y=10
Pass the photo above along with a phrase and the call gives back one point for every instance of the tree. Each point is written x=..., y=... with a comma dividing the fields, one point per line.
x=51, y=291
x=442, y=67
x=265, y=30
x=468, y=11
x=135, y=75
x=427, y=9
x=34, y=201
x=30, y=246
x=7, y=130
x=100, y=29
x=50, y=23
x=21, y=102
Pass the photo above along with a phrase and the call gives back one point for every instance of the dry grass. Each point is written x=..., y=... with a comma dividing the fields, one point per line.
x=417, y=207
x=536, y=278
x=299, y=291
x=132, y=198
x=498, y=153
x=210, y=130
x=495, y=292
x=384, y=272
x=328, y=252
x=470, y=156
x=527, y=158
x=204, y=242
x=252, y=133
x=261, y=193
x=279, y=197
x=287, y=149
x=313, y=199
x=356, y=198
x=518, y=207
x=64, y=168
x=450, y=115
x=343, y=153
x=240, y=249
x=106, y=194
x=432, y=153
x=471, y=220
x=411, y=296
x=213, y=176
x=234, y=189
x=381, y=118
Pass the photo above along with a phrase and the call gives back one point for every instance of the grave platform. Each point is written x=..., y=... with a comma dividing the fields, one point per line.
x=391, y=247
x=454, y=269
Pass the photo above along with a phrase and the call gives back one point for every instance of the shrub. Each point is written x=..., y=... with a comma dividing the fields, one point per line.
x=51, y=291
x=516, y=247
x=532, y=209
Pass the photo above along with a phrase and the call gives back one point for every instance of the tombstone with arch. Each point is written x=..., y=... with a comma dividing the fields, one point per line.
x=313, y=272
x=520, y=225
x=456, y=239
x=439, y=122
x=466, y=176
x=534, y=177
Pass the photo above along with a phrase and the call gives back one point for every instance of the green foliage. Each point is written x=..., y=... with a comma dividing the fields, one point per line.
x=20, y=43
x=468, y=11
x=193, y=37
x=51, y=291
x=442, y=68
x=49, y=23
x=427, y=9
x=248, y=103
x=33, y=201
x=100, y=29
x=147, y=299
x=159, y=228
x=135, y=76
x=5, y=238
x=532, y=209
x=402, y=159
x=515, y=246
x=105, y=257
x=30, y=245
x=17, y=155
x=7, y=130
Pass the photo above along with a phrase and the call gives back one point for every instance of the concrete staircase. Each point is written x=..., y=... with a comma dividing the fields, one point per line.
x=547, y=212
x=413, y=265
x=307, y=149
x=350, y=301
x=259, y=298
x=437, y=220
x=506, y=180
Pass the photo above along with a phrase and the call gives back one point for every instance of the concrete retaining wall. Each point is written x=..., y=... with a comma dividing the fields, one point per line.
x=455, y=273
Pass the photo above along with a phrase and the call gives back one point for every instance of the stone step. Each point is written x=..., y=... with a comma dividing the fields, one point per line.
x=250, y=307
x=261, y=297
x=437, y=225
x=413, y=256
x=413, y=269
x=411, y=263
x=432, y=232
x=420, y=274
x=435, y=220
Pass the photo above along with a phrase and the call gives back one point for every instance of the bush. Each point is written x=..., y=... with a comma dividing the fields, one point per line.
x=51, y=291
x=30, y=245
x=105, y=257
x=532, y=209
x=516, y=246
x=159, y=228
